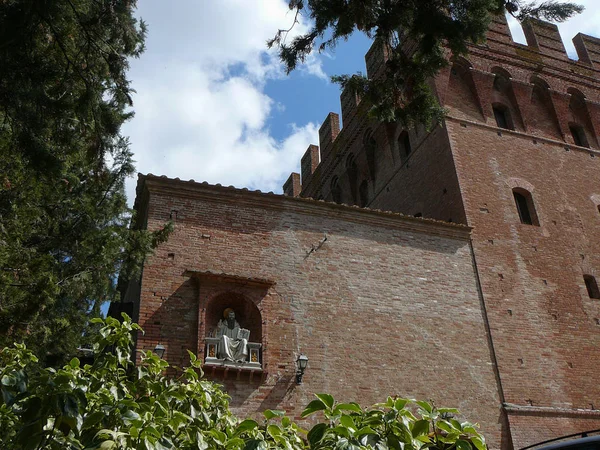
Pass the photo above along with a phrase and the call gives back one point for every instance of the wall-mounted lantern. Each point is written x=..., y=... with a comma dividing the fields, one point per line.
x=159, y=350
x=301, y=364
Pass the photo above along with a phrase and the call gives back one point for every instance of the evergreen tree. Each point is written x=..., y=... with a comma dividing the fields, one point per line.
x=419, y=36
x=64, y=222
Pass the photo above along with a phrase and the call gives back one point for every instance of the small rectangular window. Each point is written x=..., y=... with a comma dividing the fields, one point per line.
x=501, y=119
x=523, y=208
x=592, y=286
x=579, y=136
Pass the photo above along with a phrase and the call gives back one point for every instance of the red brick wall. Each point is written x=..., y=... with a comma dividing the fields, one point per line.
x=387, y=305
x=544, y=325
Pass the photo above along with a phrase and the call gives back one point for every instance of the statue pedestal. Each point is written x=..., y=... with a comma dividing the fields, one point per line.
x=252, y=361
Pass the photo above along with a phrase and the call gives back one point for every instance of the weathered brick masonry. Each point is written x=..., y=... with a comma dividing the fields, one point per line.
x=493, y=316
x=544, y=323
x=387, y=305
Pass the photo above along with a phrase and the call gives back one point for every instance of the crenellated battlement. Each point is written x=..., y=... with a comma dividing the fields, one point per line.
x=588, y=49
x=541, y=69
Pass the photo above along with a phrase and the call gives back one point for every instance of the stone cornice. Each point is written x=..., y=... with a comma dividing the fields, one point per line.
x=230, y=195
x=572, y=76
x=565, y=145
x=529, y=410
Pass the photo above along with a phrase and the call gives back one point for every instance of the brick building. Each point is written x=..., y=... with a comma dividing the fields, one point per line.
x=476, y=288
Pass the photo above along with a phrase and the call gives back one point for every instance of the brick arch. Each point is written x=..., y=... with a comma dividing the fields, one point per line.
x=370, y=146
x=576, y=93
x=595, y=198
x=580, y=121
x=352, y=173
x=501, y=71
x=336, y=191
x=520, y=183
x=462, y=97
x=542, y=119
x=503, y=94
x=246, y=312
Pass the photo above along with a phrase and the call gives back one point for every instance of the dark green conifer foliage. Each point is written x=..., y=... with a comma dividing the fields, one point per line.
x=64, y=223
x=419, y=36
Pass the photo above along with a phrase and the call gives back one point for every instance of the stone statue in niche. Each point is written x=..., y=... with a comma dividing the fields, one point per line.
x=233, y=339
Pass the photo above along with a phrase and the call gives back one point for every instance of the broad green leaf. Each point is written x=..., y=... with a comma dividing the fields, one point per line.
x=93, y=419
x=423, y=438
x=274, y=430
x=348, y=422
x=444, y=426
x=355, y=407
x=426, y=406
x=129, y=416
x=326, y=399
x=312, y=407
x=316, y=434
x=420, y=427
x=235, y=443
x=469, y=428
x=400, y=403
x=456, y=424
x=256, y=444
x=448, y=411
x=364, y=431
x=246, y=425
x=463, y=445
x=270, y=414
x=394, y=443
x=341, y=431
x=479, y=443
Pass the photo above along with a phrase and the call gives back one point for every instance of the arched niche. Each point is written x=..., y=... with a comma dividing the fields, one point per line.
x=336, y=191
x=352, y=171
x=543, y=119
x=503, y=94
x=370, y=146
x=580, y=124
x=461, y=94
x=246, y=313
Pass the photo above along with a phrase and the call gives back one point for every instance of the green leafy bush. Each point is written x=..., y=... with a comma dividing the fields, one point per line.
x=112, y=404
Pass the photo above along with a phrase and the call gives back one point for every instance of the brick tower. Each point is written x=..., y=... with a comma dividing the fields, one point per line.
x=518, y=160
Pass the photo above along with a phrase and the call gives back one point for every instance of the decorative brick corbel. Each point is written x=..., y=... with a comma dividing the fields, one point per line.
x=522, y=92
x=561, y=101
x=484, y=83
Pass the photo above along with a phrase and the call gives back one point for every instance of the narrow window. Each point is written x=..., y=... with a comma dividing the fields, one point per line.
x=370, y=146
x=404, y=145
x=579, y=136
x=336, y=192
x=364, y=194
x=352, y=170
x=525, y=207
x=502, y=117
x=592, y=286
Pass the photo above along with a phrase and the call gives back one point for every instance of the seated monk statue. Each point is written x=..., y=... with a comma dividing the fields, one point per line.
x=233, y=343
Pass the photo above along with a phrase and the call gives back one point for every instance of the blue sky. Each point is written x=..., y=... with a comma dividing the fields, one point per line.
x=213, y=105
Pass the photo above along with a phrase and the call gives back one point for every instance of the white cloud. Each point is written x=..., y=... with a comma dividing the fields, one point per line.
x=201, y=109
